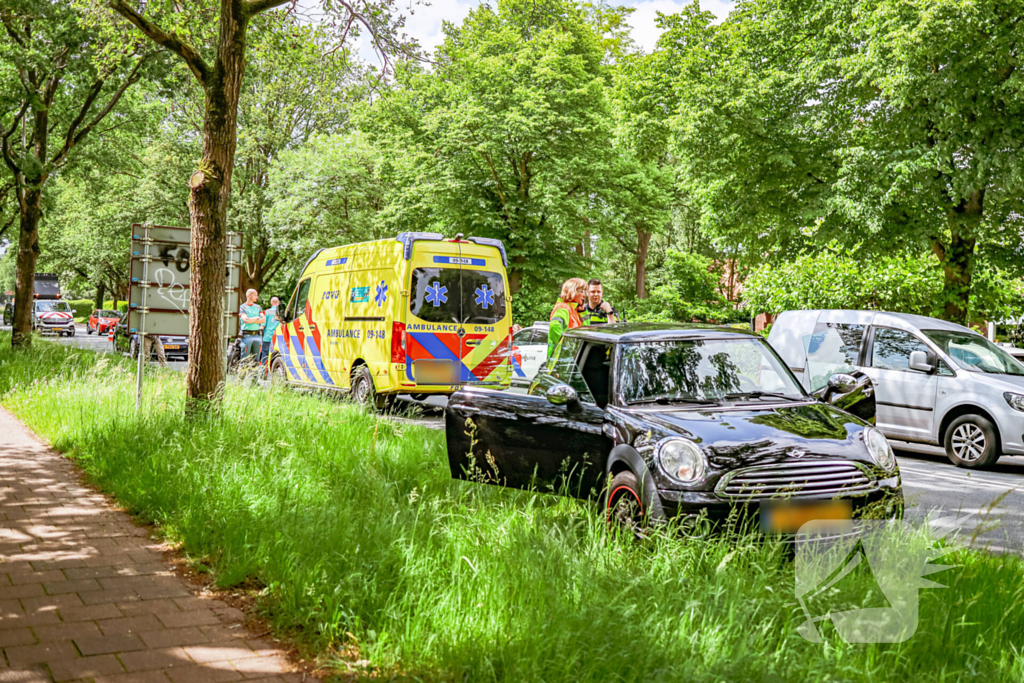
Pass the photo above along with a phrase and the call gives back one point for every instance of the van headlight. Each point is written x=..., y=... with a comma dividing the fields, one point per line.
x=879, y=448
x=681, y=460
x=1016, y=401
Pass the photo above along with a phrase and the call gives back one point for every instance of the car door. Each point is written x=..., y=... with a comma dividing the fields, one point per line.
x=904, y=398
x=524, y=441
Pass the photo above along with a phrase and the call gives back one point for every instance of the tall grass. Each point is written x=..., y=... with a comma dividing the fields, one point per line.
x=360, y=537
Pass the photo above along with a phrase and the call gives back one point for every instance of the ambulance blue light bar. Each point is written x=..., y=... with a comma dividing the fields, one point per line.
x=488, y=242
x=410, y=238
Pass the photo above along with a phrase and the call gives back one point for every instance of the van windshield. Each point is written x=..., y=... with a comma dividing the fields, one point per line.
x=974, y=352
x=450, y=295
x=59, y=306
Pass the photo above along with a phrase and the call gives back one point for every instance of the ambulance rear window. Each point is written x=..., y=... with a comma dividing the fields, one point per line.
x=448, y=295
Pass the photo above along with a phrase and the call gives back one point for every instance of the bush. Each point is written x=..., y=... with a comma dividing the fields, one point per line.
x=82, y=308
x=899, y=284
x=684, y=289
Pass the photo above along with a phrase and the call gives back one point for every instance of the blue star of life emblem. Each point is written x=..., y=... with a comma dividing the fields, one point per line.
x=484, y=297
x=382, y=294
x=436, y=294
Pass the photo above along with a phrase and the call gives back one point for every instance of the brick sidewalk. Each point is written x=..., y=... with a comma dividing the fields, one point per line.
x=86, y=596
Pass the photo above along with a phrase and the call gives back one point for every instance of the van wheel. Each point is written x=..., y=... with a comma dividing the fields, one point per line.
x=972, y=442
x=624, y=509
x=278, y=376
x=363, y=391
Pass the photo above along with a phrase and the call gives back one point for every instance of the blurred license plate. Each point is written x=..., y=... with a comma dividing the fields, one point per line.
x=172, y=346
x=434, y=372
x=787, y=516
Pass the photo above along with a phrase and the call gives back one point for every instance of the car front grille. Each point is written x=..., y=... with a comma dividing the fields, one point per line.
x=795, y=480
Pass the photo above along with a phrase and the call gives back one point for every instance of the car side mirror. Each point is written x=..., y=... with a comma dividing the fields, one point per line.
x=563, y=395
x=920, y=361
x=852, y=392
x=842, y=383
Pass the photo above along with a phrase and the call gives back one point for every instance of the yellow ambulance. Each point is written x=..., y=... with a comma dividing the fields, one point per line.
x=416, y=314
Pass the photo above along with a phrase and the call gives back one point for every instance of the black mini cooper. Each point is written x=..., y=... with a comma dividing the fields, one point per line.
x=665, y=420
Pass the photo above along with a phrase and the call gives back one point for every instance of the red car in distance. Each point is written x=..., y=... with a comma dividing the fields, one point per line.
x=101, y=321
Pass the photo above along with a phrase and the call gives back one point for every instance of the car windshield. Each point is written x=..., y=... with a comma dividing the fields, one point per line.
x=61, y=306
x=110, y=314
x=974, y=352
x=701, y=370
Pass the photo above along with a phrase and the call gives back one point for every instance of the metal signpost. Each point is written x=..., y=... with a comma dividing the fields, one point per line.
x=158, y=295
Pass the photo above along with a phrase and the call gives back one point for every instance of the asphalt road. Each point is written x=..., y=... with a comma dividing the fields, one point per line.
x=991, y=503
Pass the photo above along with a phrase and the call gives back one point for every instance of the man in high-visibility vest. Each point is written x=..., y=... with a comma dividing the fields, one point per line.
x=597, y=311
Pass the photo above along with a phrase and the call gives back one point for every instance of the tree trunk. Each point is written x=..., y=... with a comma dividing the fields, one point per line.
x=957, y=258
x=28, y=253
x=101, y=291
x=208, y=200
x=643, y=242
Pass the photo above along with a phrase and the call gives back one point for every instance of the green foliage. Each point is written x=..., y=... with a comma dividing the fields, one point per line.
x=507, y=137
x=897, y=124
x=685, y=289
x=829, y=279
x=363, y=543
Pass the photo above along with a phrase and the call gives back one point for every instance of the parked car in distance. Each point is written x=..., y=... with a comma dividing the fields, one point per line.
x=936, y=382
x=175, y=346
x=663, y=420
x=529, y=351
x=101, y=320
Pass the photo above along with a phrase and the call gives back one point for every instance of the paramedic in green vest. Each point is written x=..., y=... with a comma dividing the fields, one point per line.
x=270, y=325
x=565, y=315
x=597, y=311
x=250, y=319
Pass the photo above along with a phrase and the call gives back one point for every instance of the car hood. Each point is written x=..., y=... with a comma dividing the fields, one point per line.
x=1014, y=383
x=760, y=435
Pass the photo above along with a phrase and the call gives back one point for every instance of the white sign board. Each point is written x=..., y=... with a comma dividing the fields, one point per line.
x=158, y=295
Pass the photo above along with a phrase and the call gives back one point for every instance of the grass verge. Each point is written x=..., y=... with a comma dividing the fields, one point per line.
x=361, y=540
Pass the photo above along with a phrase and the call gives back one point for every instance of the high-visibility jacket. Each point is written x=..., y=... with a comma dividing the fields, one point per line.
x=564, y=316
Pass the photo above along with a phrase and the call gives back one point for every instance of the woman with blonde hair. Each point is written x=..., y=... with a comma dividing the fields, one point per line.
x=565, y=315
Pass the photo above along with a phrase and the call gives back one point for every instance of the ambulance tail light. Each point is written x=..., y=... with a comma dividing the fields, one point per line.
x=397, y=342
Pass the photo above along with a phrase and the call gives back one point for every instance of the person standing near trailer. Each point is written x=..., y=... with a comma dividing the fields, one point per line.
x=250, y=315
x=270, y=323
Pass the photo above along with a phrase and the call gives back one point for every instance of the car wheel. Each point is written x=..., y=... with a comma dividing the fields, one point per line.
x=88, y=330
x=624, y=509
x=972, y=442
x=363, y=391
x=71, y=333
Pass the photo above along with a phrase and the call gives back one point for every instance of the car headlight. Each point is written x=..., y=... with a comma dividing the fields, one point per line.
x=1016, y=401
x=879, y=448
x=681, y=460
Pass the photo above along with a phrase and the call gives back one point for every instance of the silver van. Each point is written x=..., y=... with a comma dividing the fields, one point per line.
x=935, y=382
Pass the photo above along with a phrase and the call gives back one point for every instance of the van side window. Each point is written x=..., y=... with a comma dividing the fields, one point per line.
x=298, y=305
x=832, y=348
x=891, y=349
